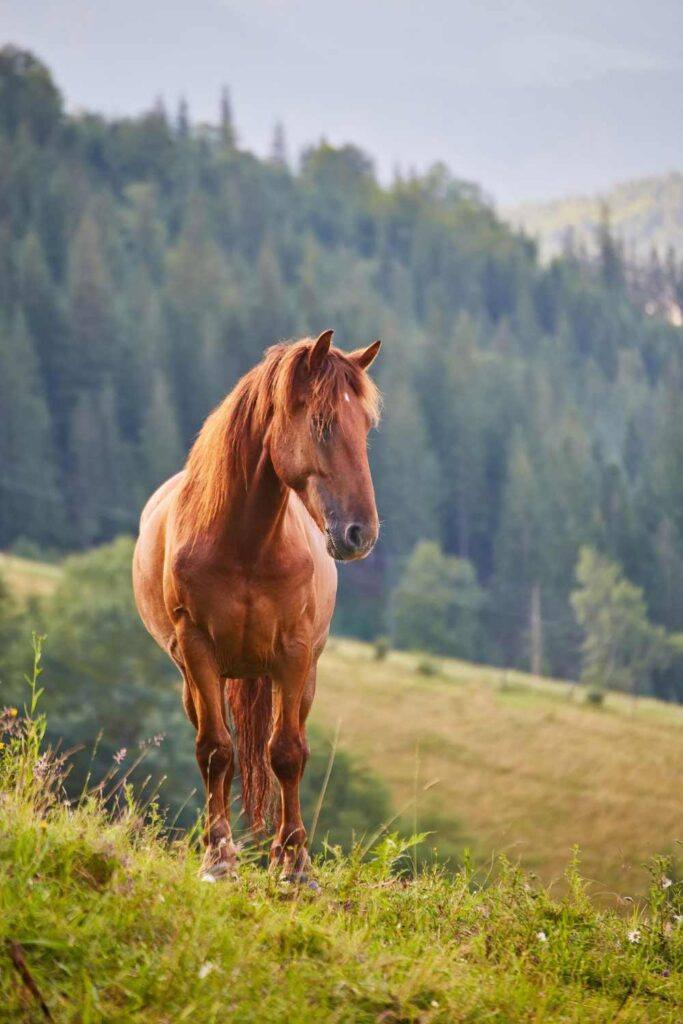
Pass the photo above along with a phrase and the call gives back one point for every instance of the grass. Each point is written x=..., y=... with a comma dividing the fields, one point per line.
x=103, y=919
x=524, y=766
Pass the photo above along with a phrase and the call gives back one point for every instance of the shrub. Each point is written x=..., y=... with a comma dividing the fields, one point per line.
x=382, y=647
x=437, y=604
x=595, y=696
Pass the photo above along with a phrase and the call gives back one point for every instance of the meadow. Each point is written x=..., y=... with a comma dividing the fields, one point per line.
x=499, y=762
x=524, y=766
x=104, y=918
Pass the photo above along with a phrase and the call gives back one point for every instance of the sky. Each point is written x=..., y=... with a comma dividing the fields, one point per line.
x=532, y=99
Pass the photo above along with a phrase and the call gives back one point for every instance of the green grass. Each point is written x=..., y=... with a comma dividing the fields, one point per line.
x=110, y=923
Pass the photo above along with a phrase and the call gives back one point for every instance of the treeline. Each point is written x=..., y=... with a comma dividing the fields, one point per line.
x=146, y=263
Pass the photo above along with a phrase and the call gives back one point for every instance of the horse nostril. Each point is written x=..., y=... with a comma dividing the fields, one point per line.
x=354, y=536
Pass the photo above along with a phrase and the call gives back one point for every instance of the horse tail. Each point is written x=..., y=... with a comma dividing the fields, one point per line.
x=251, y=708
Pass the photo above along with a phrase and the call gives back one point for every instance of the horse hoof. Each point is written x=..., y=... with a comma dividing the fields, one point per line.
x=301, y=880
x=220, y=872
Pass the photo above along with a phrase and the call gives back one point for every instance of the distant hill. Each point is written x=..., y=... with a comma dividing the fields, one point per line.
x=645, y=214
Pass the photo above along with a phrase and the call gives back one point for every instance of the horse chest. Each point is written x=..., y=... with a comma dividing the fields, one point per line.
x=254, y=623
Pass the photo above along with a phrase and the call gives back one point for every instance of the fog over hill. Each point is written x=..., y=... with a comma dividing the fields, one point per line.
x=645, y=214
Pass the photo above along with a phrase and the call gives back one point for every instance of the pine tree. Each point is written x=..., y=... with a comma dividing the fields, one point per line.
x=182, y=124
x=92, y=319
x=44, y=312
x=160, y=443
x=31, y=504
x=278, y=149
x=227, y=129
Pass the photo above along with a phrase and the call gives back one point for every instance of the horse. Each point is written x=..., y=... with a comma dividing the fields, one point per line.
x=234, y=576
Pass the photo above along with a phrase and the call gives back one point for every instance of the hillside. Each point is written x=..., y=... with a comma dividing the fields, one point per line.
x=525, y=766
x=645, y=214
x=103, y=921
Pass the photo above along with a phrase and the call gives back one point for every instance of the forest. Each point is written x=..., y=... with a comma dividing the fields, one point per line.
x=532, y=421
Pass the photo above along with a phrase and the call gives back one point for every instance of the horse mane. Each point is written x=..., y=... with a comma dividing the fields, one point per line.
x=218, y=459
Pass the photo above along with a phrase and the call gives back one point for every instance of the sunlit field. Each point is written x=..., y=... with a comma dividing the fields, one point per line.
x=523, y=766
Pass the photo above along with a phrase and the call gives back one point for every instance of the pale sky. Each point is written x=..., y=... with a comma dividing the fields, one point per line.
x=532, y=99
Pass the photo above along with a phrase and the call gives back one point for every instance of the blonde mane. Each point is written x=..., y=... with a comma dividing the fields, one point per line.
x=218, y=458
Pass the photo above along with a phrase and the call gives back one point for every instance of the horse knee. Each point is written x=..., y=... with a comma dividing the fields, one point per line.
x=288, y=755
x=214, y=755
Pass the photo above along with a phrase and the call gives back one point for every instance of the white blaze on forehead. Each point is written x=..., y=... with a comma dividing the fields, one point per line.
x=346, y=397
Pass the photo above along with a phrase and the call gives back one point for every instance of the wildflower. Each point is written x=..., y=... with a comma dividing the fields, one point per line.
x=42, y=767
x=666, y=882
x=206, y=969
x=9, y=723
x=541, y=936
x=435, y=1004
x=634, y=936
x=120, y=755
x=207, y=877
x=153, y=741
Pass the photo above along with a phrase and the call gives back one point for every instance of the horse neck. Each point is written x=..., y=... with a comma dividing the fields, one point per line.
x=255, y=512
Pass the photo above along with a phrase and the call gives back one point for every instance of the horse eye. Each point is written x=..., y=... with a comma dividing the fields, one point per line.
x=322, y=429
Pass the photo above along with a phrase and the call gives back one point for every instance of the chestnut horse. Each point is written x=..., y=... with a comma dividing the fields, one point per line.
x=234, y=573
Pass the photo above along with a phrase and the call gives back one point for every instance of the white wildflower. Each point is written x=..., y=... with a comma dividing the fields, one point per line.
x=634, y=936
x=435, y=1004
x=541, y=936
x=207, y=877
x=206, y=969
x=666, y=882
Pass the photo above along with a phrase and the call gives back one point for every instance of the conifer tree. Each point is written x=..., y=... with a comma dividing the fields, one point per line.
x=227, y=128
x=278, y=149
x=31, y=504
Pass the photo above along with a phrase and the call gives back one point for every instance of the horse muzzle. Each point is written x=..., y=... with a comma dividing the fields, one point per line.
x=351, y=542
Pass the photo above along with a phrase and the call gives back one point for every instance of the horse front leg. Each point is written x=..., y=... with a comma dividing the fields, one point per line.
x=288, y=755
x=203, y=699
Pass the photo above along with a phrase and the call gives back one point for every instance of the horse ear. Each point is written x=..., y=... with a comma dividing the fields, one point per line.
x=319, y=351
x=364, y=356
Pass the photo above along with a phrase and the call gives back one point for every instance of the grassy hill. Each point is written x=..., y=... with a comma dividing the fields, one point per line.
x=645, y=213
x=104, y=921
x=524, y=766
